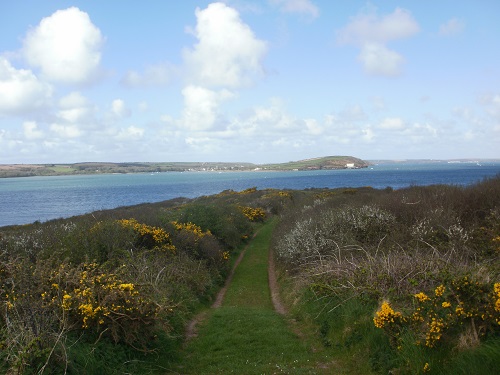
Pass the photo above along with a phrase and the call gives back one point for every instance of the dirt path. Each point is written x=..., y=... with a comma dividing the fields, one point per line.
x=273, y=286
x=192, y=327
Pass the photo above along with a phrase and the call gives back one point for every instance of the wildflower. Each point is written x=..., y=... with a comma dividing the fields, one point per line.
x=126, y=287
x=446, y=304
x=427, y=368
x=385, y=315
x=66, y=303
x=439, y=290
x=422, y=297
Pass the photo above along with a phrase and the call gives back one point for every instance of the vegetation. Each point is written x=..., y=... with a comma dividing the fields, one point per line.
x=113, y=290
x=328, y=162
x=407, y=278
x=26, y=170
x=375, y=281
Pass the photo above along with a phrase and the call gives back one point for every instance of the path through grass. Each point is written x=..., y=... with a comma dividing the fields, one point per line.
x=246, y=335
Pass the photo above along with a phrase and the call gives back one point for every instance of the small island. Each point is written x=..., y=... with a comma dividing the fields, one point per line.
x=28, y=170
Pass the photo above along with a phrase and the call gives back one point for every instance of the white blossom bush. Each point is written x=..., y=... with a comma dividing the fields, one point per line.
x=322, y=233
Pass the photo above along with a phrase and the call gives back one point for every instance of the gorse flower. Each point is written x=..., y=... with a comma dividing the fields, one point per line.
x=439, y=290
x=422, y=297
x=192, y=228
x=386, y=315
x=253, y=214
x=151, y=237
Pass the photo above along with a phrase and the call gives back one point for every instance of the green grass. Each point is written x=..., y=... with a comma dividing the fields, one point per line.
x=246, y=335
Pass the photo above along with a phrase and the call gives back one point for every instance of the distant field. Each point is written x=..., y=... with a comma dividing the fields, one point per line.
x=26, y=170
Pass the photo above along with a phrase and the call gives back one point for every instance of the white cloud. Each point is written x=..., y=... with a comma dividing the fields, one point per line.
x=272, y=117
x=371, y=33
x=65, y=131
x=20, y=90
x=377, y=59
x=451, y=27
x=131, y=133
x=368, y=135
x=119, y=108
x=75, y=108
x=392, y=123
x=153, y=75
x=313, y=127
x=31, y=131
x=66, y=46
x=297, y=6
x=227, y=53
x=201, y=107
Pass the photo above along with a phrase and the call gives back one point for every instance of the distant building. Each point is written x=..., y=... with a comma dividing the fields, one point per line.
x=350, y=165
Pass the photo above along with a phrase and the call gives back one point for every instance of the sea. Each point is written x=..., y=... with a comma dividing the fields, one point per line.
x=25, y=200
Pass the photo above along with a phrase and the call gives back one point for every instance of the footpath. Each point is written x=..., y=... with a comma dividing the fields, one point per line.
x=244, y=332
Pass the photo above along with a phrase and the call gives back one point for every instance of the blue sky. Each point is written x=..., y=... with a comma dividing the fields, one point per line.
x=255, y=81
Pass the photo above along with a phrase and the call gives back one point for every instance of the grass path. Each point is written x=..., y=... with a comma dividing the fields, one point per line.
x=246, y=335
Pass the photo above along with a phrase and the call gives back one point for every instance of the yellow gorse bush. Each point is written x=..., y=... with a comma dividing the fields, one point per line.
x=94, y=299
x=191, y=227
x=463, y=303
x=253, y=214
x=386, y=316
x=149, y=236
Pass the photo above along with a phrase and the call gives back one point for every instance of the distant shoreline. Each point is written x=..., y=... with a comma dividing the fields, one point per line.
x=92, y=168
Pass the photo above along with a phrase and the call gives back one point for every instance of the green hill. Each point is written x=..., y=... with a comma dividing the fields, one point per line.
x=327, y=162
x=26, y=170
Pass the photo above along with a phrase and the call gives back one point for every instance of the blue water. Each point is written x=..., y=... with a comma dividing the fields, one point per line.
x=25, y=200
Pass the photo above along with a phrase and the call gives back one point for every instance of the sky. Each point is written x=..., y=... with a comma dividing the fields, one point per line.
x=248, y=81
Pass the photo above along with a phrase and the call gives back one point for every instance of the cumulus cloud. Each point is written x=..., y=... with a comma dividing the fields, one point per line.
x=392, y=123
x=377, y=59
x=20, y=90
x=153, y=75
x=371, y=33
x=297, y=6
x=313, y=127
x=31, y=131
x=66, y=46
x=119, y=109
x=201, y=107
x=65, y=130
x=75, y=108
x=131, y=133
x=451, y=27
x=227, y=54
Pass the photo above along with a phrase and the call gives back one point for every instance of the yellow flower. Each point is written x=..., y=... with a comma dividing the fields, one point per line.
x=385, y=315
x=427, y=368
x=422, y=297
x=496, y=289
x=66, y=302
x=439, y=290
x=126, y=287
x=446, y=304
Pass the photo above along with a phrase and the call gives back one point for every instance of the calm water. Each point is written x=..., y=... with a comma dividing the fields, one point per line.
x=25, y=200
